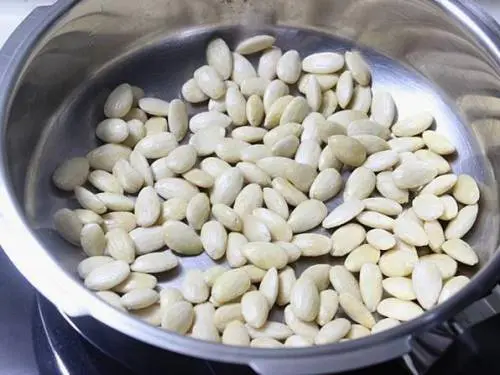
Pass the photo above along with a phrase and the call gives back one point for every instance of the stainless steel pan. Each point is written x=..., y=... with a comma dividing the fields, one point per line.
x=58, y=67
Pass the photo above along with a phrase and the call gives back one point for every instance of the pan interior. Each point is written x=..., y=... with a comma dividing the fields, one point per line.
x=163, y=63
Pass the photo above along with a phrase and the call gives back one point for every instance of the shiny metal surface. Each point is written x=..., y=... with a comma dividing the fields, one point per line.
x=442, y=56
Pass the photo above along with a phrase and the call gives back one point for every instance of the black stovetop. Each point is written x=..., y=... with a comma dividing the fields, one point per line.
x=36, y=340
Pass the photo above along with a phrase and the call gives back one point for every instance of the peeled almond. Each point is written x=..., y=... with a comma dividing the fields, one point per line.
x=427, y=283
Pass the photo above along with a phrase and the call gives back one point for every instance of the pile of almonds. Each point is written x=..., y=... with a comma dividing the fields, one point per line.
x=250, y=182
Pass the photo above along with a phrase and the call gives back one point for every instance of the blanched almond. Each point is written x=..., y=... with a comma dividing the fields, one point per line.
x=230, y=285
x=398, y=262
x=410, y=232
x=227, y=187
x=147, y=240
x=279, y=229
x=344, y=282
x=178, y=317
x=326, y=185
x=466, y=190
x=462, y=223
x=254, y=308
x=214, y=166
x=89, y=200
x=355, y=310
x=348, y=150
x=460, y=251
x=297, y=341
x=136, y=280
x=307, y=215
x=435, y=234
x=91, y=263
x=288, y=68
x=119, y=101
x=384, y=324
x=275, y=90
x=374, y=219
x=225, y=314
x=427, y=283
x=157, y=145
x=255, y=110
x=292, y=195
x=380, y=239
x=436, y=161
x=414, y=125
x=138, y=299
x=92, y=239
x=358, y=66
x=312, y=244
x=192, y=93
x=446, y=264
x=88, y=217
x=440, y=185
x=381, y=161
x=205, y=140
x=406, y=144
x=107, y=276
x=207, y=119
x=299, y=327
x=304, y=299
x=268, y=62
x=399, y=287
x=242, y=69
x=233, y=251
x=383, y=108
x=175, y=187
x=236, y=334
x=275, y=330
x=280, y=132
x=104, y=157
x=386, y=186
x=412, y=174
x=248, y=199
x=292, y=251
x=286, y=281
x=361, y=99
x=219, y=57
x=71, y=173
x=269, y=286
x=181, y=238
x=265, y=255
x=332, y=331
x=329, y=103
x=345, y=89
x=125, y=220
x=254, y=229
x=119, y=245
x=229, y=149
x=198, y=211
x=323, y=63
x=370, y=285
x=214, y=239
x=452, y=286
x=360, y=256
x=147, y=207
x=438, y=143
x=199, y=178
x=295, y=111
x=236, y=106
x=398, y=309
x=253, y=174
x=319, y=274
x=265, y=342
x=343, y=213
x=346, y=238
x=360, y=184
x=308, y=153
x=328, y=306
